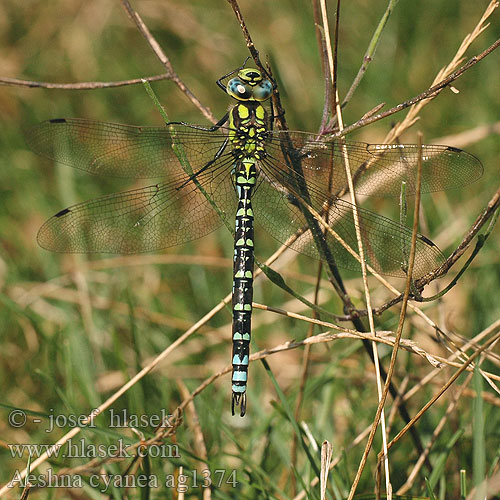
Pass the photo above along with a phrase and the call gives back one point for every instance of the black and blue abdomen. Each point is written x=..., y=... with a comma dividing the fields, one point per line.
x=245, y=178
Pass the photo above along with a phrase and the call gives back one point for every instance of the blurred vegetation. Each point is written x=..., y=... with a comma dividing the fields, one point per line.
x=72, y=333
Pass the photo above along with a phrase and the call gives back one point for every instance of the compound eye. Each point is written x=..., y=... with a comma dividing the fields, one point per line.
x=237, y=89
x=263, y=90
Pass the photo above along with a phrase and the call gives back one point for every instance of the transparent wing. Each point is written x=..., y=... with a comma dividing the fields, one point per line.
x=377, y=169
x=123, y=150
x=386, y=243
x=146, y=219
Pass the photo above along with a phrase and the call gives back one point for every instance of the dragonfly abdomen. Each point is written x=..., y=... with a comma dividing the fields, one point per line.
x=245, y=178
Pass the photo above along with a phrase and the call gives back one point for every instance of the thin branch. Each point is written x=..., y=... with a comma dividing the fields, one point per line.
x=481, y=240
x=249, y=42
x=246, y=34
x=429, y=93
x=326, y=461
x=16, y=82
x=155, y=46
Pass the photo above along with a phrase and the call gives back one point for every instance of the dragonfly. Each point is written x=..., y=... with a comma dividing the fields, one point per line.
x=240, y=170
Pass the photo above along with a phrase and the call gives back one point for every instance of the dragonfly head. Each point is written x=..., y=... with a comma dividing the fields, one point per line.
x=249, y=85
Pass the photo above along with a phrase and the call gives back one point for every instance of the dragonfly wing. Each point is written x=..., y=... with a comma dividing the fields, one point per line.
x=124, y=150
x=145, y=219
x=386, y=243
x=377, y=169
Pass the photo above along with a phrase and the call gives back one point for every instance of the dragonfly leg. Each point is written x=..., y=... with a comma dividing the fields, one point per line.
x=213, y=128
x=202, y=169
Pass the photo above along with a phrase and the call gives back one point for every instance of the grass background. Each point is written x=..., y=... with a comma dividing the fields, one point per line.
x=72, y=331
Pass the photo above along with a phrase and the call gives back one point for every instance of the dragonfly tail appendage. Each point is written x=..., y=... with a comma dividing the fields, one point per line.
x=239, y=399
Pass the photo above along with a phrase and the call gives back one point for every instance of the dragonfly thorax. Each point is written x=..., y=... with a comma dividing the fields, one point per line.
x=248, y=125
